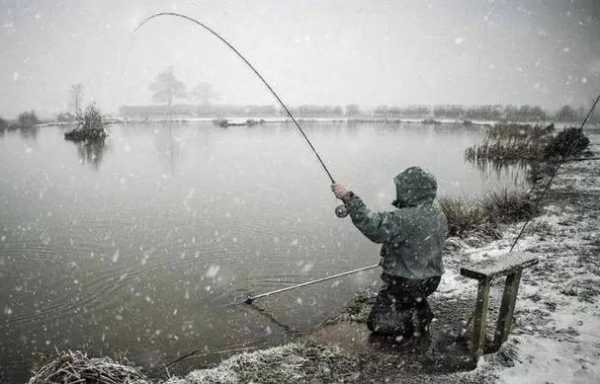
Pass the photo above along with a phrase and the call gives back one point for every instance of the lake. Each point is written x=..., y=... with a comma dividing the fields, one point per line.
x=139, y=248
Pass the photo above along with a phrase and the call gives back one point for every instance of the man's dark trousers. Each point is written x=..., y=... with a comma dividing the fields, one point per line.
x=401, y=308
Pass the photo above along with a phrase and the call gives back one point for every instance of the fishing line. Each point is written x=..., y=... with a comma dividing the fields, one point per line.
x=285, y=108
x=549, y=184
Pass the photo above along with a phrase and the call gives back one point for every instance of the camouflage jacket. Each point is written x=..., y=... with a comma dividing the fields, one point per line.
x=412, y=235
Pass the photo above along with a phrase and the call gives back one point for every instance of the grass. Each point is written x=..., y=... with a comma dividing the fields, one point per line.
x=508, y=206
x=304, y=362
x=506, y=142
x=481, y=217
x=76, y=368
x=525, y=132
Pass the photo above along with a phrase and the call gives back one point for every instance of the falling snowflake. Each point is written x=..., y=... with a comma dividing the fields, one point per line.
x=115, y=257
x=212, y=271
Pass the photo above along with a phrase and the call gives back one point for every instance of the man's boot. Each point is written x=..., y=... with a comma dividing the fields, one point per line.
x=421, y=319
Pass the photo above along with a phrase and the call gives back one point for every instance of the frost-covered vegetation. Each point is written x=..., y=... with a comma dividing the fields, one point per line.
x=482, y=217
x=77, y=368
x=302, y=362
x=569, y=142
x=90, y=126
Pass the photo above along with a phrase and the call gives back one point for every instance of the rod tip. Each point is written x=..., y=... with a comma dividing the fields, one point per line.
x=249, y=300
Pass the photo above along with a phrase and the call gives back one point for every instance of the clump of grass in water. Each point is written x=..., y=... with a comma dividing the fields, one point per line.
x=90, y=126
x=526, y=132
x=511, y=142
x=481, y=217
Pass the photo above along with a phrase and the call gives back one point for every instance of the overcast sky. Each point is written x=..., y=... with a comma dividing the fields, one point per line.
x=313, y=52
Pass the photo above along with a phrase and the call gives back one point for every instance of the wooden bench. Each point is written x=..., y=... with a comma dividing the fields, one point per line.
x=510, y=265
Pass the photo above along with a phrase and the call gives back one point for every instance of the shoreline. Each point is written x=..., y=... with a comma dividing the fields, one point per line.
x=328, y=120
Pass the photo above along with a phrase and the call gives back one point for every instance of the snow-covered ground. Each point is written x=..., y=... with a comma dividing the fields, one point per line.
x=556, y=338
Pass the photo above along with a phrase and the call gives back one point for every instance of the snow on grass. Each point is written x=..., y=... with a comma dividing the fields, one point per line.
x=543, y=360
x=290, y=363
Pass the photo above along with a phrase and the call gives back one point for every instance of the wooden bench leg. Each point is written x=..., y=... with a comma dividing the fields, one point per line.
x=480, y=317
x=507, y=308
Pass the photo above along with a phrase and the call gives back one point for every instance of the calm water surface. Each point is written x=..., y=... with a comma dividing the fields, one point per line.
x=137, y=248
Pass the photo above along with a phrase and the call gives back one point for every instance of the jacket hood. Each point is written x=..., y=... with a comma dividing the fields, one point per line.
x=414, y=186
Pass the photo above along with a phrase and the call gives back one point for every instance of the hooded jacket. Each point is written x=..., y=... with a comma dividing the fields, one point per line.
x=413, y=234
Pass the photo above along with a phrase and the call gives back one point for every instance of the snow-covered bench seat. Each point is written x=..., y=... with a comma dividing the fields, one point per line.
x=510, y=265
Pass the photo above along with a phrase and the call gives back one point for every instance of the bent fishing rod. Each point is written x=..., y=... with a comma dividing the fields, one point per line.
x=340, y=211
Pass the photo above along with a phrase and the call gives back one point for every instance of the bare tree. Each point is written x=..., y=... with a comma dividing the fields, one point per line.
x=167, y=87
x=76, y=94
x=204, y=93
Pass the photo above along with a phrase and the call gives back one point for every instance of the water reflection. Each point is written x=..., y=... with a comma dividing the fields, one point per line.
x=29, y=132
x=168, y=145
x=512, y=170
x=91, y=152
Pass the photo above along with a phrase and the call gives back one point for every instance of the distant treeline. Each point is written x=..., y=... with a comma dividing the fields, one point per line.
x=459, y=112
x=25, y=121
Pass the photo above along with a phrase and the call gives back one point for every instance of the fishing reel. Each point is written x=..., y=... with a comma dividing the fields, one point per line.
x=341, y=211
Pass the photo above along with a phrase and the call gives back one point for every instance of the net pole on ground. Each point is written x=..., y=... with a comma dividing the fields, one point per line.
x=251, y=299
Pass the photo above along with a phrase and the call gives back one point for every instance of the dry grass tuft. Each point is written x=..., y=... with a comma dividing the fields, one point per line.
x=76, y=368
x=481, y=217
x=508, y=206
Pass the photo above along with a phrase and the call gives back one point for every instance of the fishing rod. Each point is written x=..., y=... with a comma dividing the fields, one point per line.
x=549, y=184
x=340, y=211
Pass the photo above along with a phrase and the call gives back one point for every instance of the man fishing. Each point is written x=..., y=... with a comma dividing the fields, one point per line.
x=413, y=238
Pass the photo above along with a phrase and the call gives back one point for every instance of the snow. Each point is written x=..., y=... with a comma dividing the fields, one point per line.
x=228, y=372
x=213, y=271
